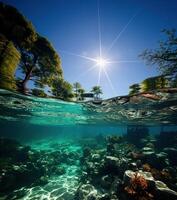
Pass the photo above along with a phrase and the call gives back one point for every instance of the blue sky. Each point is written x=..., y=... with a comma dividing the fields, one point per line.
x=72, y=26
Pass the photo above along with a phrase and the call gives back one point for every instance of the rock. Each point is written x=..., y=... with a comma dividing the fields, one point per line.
x=106, y=181
x=114, y=165
x=129, y=174
x=105, y=197
x=86, y=192
x=158, y=161
x=112, y=160
x=160, y=189
x=172, y=154
x=133, y=166
x=43, y=180
x=164, y=192
x=148, y=152
x=162, y=155
x=60, y=171
x=150, y=145
x=111, y=165
x=147, y=149
x=86, y=152
x=17, y=194
x=138, y=163
x=96, y=157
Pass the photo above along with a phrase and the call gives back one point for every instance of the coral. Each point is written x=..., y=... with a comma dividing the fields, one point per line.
x=138, y=188
x=136, y=155
x=162, y=175
x=86, y=151
x=146, y=167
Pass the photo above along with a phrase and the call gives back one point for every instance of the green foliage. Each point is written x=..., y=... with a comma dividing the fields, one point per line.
x=62, y=89
x=9, y=59
x=41, y=63
x=78, y=91
x=134, y=89
x=76, y=87
x=97, y=91
x=81, y=92
x=38, y=92
x=15, y=27
x=154, y=83
x=165, y=56
x=39, y=60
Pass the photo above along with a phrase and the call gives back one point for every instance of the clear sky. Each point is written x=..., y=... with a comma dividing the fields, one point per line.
x=127, y=27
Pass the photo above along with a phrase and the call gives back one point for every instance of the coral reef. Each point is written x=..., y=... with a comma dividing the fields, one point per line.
x=98, y=168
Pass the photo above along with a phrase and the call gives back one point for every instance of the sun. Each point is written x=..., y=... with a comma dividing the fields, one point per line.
x=101, y=62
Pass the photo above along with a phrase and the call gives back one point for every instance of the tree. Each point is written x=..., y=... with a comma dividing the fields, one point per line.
x=16, y=33
x=81, y=92
x=15, y=27
x=134, y=89
x=154, y=83
x=38, y=92
x=76, y=87
x=62, y=89
x=39, y=61
x=9, y=59
x=165, y=56
x=41, y=64
x=97, y=91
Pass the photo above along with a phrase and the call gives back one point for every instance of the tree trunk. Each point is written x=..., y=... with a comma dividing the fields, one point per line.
x=23, y=85
x=26, y=79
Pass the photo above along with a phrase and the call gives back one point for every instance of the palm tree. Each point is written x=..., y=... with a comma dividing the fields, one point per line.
x=97, y=91
x=80, y=93
x=76, y=87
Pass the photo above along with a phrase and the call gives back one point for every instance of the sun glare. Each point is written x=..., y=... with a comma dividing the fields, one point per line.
x=101, y=62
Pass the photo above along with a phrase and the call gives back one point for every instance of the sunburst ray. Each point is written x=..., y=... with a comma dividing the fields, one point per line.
x=121, y=32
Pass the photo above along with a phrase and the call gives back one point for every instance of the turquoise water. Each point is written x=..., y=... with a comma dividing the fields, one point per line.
x=52, y=136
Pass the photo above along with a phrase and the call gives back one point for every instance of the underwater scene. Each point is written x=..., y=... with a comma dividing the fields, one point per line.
x=123, y=148
x=88, y=100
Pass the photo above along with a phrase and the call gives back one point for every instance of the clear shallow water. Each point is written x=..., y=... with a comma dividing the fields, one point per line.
x=52, y=129
x=156, y=109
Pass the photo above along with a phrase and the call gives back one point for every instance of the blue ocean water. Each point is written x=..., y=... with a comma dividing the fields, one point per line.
x=51, y=127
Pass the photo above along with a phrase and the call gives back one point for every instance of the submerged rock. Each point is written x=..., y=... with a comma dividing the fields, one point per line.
x=129, y=174
x=160, y=190
x=164, y=192
x=172, y=154
x=106, y=181
x=86, y=192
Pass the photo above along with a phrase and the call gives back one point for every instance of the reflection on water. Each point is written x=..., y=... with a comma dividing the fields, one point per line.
x=150, y=109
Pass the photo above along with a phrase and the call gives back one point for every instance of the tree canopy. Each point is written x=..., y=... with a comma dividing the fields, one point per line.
x=78, y=91
x=134, y=89
x=97, y=91
x=154, y=83
x=165, y=56
x=9, y=59
x=15, y=27
x=39, y=62
x=62, y=89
